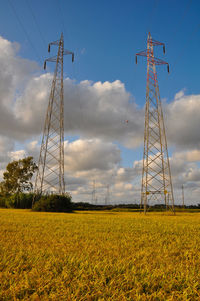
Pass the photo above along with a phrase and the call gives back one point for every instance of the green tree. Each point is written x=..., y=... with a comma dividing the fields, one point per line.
x=18, y=175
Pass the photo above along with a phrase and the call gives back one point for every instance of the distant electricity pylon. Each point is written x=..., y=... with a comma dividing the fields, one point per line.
x=107, y=197
x=50, y=174
x=156, y=174
x=183, y=198
x=94, y=198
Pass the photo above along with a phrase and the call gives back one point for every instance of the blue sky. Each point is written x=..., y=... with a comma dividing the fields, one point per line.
x=105, y=35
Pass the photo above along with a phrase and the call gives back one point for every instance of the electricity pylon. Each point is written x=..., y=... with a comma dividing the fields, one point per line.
x=107, y=197
x=156, y=174
x=50, y=174
x=183, y=198
x=94, y=198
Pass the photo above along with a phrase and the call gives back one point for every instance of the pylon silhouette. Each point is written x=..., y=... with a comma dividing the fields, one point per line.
x=50, y=174
x=107, y=197
x=156, y=175
x=94, y=198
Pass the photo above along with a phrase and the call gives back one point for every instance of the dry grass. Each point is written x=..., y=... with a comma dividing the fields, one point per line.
x=99, y=256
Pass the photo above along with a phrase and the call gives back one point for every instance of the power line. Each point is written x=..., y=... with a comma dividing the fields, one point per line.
x=183, y=197
x=182, y=18
x=24, y=30
x=61, y=19
x=187, y=7
x=155, y=4
x=36, y=23
x=180, y=55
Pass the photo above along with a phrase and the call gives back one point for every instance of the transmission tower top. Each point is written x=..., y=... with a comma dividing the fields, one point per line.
x=63, y=51
x=149, y=52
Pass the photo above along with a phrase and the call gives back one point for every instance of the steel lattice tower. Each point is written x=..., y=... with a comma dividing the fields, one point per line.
x=94, y=198
x=107, y=197
x=156, y=174
x=50, y=174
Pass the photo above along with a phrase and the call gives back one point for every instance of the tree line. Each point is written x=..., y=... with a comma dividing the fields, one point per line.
x=16, y=189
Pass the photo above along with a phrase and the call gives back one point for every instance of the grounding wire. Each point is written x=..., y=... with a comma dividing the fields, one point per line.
x=36, y=23
x=24, y=30
x=155, y=4
x=63, y=29
x=187, y=8
x=182, y=18
x=61, y=17
x=179, y=25
x=187, y=43
x=57, y=11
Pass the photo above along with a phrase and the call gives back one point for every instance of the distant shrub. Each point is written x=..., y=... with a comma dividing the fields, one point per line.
x=19, y=200
x=53, y=203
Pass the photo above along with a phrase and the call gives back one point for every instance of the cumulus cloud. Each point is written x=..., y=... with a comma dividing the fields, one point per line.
x=183, y=164
x=99, y=109
x=83, y=155
x=14, y=70
x=102, y=115
x=30, y=107
x=6, y=147
x=102, y=110
x=183, y=121
x=8, y=153
x=14, y=74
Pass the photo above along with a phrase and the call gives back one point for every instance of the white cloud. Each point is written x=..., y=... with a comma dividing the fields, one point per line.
x=100, y=114
x=15, y=72
x=31, y=106
x=6, y=146
x=97, y=110
x=189, y=156
x=83, y=155
x=183, y=121
x=101, y=110
x=17, y=155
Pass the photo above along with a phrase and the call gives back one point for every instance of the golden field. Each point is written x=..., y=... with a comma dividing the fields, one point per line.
x=99, y=256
